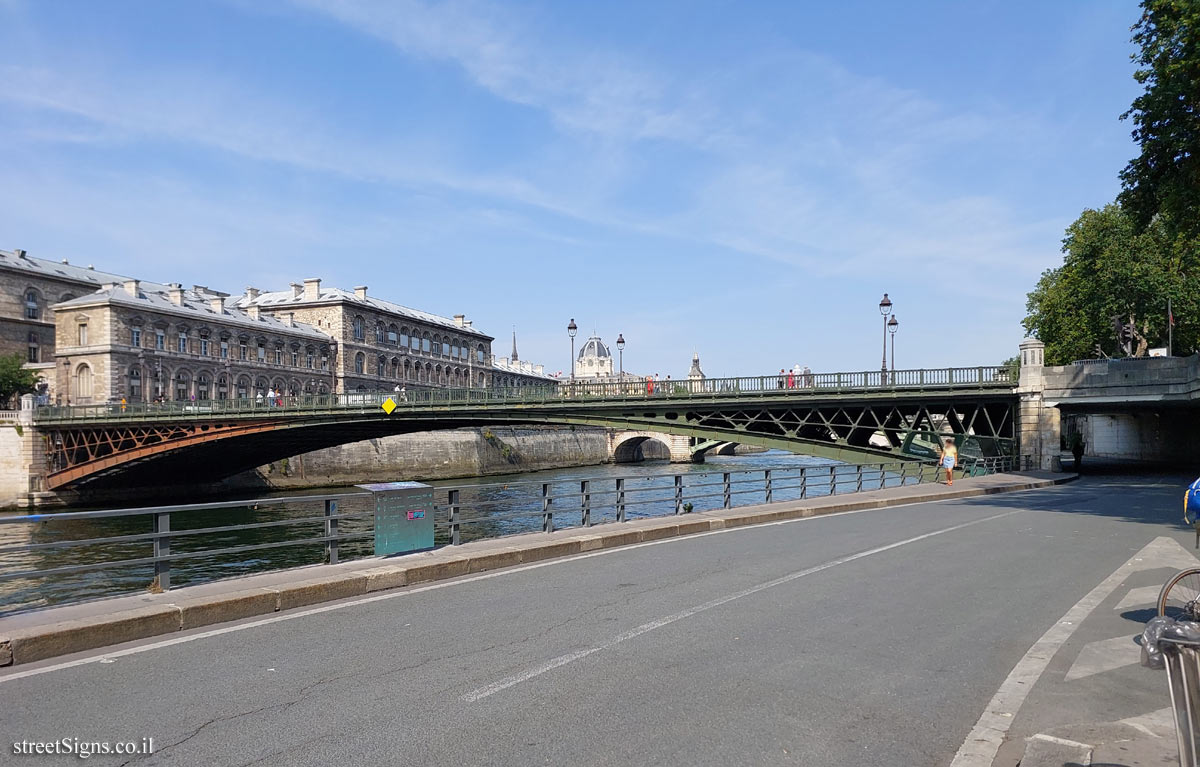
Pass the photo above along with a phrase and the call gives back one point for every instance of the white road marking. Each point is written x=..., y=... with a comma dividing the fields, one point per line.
x=1104, y=655
x=407, y=591
x=1060, y=741
x=563, y=660
x=981, y=745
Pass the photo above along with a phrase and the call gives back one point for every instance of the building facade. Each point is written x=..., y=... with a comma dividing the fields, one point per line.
x=380, y=344
x=127, y=342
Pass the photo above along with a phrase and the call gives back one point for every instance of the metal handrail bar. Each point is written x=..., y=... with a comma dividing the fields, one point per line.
x=182, y=555
x=176, y=508
x=133, y=537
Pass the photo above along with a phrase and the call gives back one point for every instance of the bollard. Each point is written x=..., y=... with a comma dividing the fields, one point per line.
x=547, y=515
x=726, y=490
x=455, y=518
x=620, y=499
x=803, y=483
x=767, y=480
x=858, y=486
x=678, y=494
x=585, y=504
x=331, y=531
x=162, y=548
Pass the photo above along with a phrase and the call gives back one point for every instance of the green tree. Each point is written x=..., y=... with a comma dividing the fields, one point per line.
x=1112, y=270
x=1164, y=180
x=14, y=379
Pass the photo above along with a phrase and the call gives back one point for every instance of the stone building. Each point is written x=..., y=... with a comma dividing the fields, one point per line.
x=28, y=288
x=133, y=342
x=514, y=373
x=594, y=364
x=381, y=344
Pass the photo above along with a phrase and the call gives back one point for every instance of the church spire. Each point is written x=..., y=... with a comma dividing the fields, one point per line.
x=514, y=354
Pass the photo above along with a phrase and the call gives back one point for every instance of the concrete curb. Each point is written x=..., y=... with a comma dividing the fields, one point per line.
x=53, y=633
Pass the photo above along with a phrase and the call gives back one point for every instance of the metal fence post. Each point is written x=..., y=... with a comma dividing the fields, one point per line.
x=547, y=514
x=331, y=531
x=162, y=548
x=455, y=518
x=767, y=479
x=678, y=493
x=585, y=504
x=620, y=499
x=728, y=496
x=803, y=483
x=858, y=486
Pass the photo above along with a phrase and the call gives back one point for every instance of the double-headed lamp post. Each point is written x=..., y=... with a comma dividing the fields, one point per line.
x=621, y=355
x=572, y=329
x=892, y=325
x=885, y=308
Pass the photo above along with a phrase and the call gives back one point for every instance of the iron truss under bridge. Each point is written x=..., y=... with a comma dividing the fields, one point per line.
x=844, y=416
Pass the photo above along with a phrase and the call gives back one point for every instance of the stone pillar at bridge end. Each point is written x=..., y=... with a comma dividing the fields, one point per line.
x=1038, y=426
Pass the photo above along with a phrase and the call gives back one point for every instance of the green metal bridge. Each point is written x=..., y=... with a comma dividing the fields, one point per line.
x=843, y=416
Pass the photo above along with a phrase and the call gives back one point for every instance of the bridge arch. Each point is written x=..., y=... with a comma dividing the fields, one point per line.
x=626, y=446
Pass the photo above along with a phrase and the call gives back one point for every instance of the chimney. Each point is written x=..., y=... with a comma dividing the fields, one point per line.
x=360, y=292
x=132, y=287
x=291, y=319
x=467, y=324
x=65, y=261
x=19, y=253
x=217, y=304
x=252, y=311
x=312, y=289
x=297, y=290
x=459, y=320
x=91, y=267
x=201, y=289
x=176, y=294
x=251, y=293
x=540, y=370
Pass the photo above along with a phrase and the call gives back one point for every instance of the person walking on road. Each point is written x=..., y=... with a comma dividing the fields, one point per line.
x=949, y=460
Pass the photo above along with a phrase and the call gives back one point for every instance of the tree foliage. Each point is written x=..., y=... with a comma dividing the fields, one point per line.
x=15, y=379
x=1112, y=270
x=1164, y=180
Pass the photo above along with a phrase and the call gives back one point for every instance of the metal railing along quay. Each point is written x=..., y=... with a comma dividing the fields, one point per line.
x=124, y=550
x=774, y=385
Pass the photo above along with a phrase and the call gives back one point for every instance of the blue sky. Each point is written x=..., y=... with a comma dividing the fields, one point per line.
x=741, y=179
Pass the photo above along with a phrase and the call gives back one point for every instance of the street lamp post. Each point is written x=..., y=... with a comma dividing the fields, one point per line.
x=885, y=308
x=621, y=355
x=572, y=329
x=892, y=326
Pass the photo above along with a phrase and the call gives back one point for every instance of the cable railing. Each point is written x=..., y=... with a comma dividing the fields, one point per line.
x=785, y=384
x=74, y=556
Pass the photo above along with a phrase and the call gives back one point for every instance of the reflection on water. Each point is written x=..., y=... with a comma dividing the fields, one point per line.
x=490, y=506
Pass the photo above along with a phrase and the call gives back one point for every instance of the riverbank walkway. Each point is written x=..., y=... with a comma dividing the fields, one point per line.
x=61, y=631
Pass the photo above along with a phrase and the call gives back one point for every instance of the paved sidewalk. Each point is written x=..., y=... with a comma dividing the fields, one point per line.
x=42, y=634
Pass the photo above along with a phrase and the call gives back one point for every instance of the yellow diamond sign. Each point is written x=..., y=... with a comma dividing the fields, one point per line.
x=389, y=405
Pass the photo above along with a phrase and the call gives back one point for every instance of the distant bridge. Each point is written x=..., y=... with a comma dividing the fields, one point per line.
x=843, y=416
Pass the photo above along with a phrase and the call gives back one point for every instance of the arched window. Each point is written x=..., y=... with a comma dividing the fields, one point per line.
x=407, y=370
x=381, y=366
x=33, y=310
x=360, y=362
x=392, y=334
x=437, y=344
x=202, y=388
x=135, y=384
x=243, y=387
x=359, y=329
x=425, y=347
x=83, y=382
x=479, y=353
x=222, y=387
x=35, y=348
x=404, y=337
x=379, y=332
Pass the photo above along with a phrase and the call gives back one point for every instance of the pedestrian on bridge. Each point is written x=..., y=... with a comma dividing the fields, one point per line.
x=781, y=378
x=949, y=460
x=791, y=379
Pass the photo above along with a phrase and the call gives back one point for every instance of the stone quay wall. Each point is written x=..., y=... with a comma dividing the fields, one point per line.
x=450, y=454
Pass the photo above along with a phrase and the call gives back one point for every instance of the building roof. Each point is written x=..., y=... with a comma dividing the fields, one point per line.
x=61, y=270
x=594, y=347
x=195, y=306
x=520, y=367
x=283, y=298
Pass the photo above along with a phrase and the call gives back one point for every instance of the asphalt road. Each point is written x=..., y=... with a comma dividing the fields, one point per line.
x=875, y=637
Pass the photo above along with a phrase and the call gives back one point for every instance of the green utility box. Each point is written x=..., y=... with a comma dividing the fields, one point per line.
x=403, y=517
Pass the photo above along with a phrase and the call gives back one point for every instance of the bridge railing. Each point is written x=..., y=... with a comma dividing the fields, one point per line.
x=786, y=384
x=72, y=556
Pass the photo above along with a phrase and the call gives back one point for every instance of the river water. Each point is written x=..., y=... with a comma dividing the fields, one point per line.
x=490, y=506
